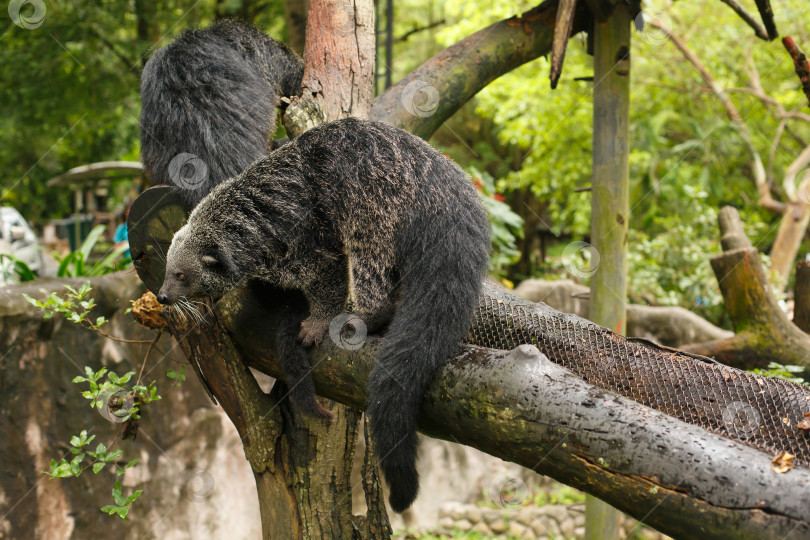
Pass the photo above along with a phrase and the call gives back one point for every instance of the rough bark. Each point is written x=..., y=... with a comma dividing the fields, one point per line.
x=339, y=65
x=678, y=478
x=763, y=332
x=431, y=93
x=610, y=203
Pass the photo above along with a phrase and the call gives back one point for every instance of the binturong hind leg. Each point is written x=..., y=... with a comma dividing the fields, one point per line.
x=295, y=363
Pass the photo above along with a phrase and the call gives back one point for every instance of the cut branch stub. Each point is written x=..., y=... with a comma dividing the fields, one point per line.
x=732, y=235
x=764, y=334
x=562, y=32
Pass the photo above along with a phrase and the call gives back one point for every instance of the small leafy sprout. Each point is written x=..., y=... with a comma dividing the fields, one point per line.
x=121, y=506
x=121, y=402
x=75, y=306
x=80, y=449
x=178, y=377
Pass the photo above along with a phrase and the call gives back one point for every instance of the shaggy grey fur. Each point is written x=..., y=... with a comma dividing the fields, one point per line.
x=360, y=212
x=212, y=94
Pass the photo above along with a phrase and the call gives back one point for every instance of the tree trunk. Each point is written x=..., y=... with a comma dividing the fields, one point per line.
x=302, y=466
x=610, y=206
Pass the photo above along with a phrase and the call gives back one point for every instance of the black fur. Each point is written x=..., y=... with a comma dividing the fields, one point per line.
x=213, y=93
x=357, y=209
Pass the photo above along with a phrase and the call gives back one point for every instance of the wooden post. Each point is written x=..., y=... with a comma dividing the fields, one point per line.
x=610, y=207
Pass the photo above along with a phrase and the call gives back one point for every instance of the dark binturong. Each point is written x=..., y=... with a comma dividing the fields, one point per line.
x=208, y=105
x=356, y=215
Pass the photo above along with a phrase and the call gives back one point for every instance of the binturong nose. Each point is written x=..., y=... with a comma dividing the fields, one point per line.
x=162, y=298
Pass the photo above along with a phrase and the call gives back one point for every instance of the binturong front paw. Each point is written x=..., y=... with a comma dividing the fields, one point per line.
x=312, y=330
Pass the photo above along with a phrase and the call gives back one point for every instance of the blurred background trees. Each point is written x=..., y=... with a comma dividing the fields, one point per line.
x=70, y=96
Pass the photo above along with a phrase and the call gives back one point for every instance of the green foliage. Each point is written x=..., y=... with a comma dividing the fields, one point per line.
x=179, y=377
x=779, y=371
x=70, y=88
x=75, y=307
x=76, y=263
x=121, y=506
x=119, y=400
x=101, y=457
x=10, y=264
x=112, y=394
x=506, y=224
x=687, y=158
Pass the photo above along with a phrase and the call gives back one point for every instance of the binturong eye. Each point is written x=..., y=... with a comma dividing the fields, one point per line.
x=181, y=276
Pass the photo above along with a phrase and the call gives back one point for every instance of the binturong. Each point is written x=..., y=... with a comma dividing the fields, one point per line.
x=358, y=216
x=208, y=105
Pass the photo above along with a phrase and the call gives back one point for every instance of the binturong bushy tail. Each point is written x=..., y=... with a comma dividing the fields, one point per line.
x=442, y=267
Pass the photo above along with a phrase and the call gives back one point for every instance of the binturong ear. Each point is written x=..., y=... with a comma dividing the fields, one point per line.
x=221, y=260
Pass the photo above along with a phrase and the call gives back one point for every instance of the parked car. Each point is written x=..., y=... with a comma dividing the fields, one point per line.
x=18, y=239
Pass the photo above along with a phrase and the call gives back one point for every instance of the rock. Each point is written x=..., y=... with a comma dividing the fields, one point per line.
x=447, y=522
x=579, y=532
x=482, y=529
x=544, y=525
x=474, y=514
x=557, y=512
x=499, y=526
x=553, y=528
x=463, y=525
x=453, y=509
x=567, y=527
x=526, y=515
x=490, y=514
x=516, y=530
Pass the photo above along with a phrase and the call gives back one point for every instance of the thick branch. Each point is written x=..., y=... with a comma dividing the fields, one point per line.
x=523, y=408
x=430, y=94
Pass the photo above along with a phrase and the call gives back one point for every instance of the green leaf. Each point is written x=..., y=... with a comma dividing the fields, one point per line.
x=118, y=496
x=89, y=243
x=132, y=498
x=98, y=466
x=64, y=269
x=121, y=511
